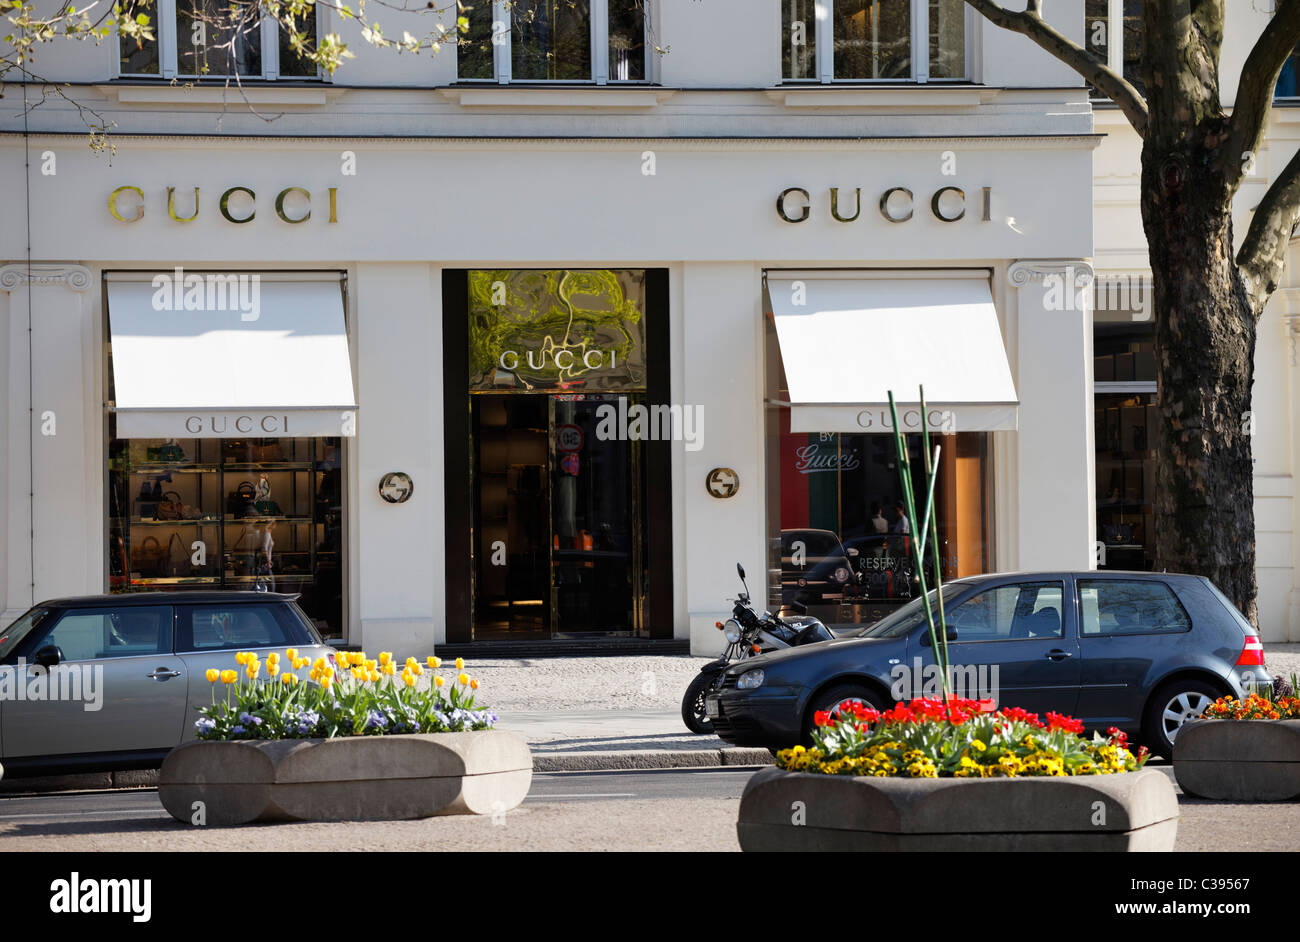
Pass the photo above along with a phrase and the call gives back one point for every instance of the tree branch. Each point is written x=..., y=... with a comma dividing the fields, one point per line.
x=1262, y=257
x=1256, y=86
x=1031, y=24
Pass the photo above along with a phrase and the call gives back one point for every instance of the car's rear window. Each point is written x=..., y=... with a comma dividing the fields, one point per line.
x=1119, y=607
x=238, y=625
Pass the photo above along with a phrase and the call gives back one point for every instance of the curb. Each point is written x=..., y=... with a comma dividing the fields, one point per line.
x=647, y=759
x=545, y=762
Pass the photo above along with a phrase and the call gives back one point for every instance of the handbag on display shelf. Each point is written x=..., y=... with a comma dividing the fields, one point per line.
x=148, y=499
x=172, y=452
x=238, y=449
x=169, y=509
x=267, y=450
x=177, y=560
x=148, y=558
x=241, y=502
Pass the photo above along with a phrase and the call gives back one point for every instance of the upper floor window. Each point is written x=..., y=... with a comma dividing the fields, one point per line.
x=217, y=38
x=1288, y=82
x=1113, y=33
x=554, y=41
x=873, y=40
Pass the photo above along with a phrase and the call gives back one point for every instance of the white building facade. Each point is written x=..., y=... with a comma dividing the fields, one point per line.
x=394, y=332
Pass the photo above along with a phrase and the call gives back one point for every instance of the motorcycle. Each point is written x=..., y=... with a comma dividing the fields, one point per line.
x=748, y=634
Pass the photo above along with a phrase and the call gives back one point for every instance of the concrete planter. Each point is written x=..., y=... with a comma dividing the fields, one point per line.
x=1239, y=760
x=1130, y=811
x=352, y=778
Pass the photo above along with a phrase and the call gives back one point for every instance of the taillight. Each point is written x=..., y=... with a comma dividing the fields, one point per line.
x=1252, y=655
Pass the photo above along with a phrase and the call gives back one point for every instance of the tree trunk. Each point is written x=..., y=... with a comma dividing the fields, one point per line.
x=1205, y=356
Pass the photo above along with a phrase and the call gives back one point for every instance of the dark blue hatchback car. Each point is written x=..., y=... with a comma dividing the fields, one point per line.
x=1141, y=651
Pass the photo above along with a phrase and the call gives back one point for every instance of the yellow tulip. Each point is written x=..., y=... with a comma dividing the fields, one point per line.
x=229, y=676
x=291, y=654
x=434, y=662
x=273, y=658
x=252, y=670
x=438, y=681
x=327, y=673
x=390, y=668
x=463, y=678
x=326, y=681
x=374, y=677
x=370, y=664
x=357, y=674
x=417, y=670
x=473, y=684
x=408, y=679
x=212, y=675
x=287, y=678
x=273, y=669
x=385, y=657
x=240, y=657
x=320, y=663
x=460, y=663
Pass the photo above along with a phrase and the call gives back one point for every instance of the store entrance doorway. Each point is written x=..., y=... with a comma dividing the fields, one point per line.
x=559, y=518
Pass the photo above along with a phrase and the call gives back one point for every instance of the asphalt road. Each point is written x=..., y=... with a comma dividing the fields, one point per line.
x=667, y=810
x=547, y=788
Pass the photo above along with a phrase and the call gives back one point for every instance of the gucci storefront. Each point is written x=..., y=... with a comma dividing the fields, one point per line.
x=563, y=416
x=229, y=398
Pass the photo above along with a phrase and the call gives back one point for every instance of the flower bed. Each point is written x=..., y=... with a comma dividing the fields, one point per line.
x=355, y=740
x=1242, y=750
x=957, y=738
x=359, y=697
x=952, y=775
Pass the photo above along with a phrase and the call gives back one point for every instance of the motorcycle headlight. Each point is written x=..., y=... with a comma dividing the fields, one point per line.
x=731, y=630
x=750, y=680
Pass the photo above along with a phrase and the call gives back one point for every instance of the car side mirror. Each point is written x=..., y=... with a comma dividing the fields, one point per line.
x=49, y=656
x=950, y=635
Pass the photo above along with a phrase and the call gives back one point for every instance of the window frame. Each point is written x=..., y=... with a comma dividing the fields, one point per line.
x=502, y=60
x=165, y=29
x=38, y=637
x=1093, y=581
x=824, y=49
x=284, y=617
x=1019, y=585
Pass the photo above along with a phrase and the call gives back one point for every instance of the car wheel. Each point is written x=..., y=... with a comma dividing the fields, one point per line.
x=830, y=698
x=1170, y=707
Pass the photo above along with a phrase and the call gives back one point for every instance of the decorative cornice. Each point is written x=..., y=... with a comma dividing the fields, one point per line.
x=76, y=277
x=1024, y=271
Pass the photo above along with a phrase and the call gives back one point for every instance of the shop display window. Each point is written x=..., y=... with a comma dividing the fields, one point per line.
x=260, y=514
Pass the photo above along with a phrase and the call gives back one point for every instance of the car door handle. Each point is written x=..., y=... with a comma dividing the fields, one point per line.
x=1056, y=654
x=163, y=673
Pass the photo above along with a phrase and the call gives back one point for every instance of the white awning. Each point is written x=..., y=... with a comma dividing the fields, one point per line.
x=848, y=340
x=210, y=355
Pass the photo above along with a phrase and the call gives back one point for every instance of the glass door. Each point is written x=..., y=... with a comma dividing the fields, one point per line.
x=597, y=530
